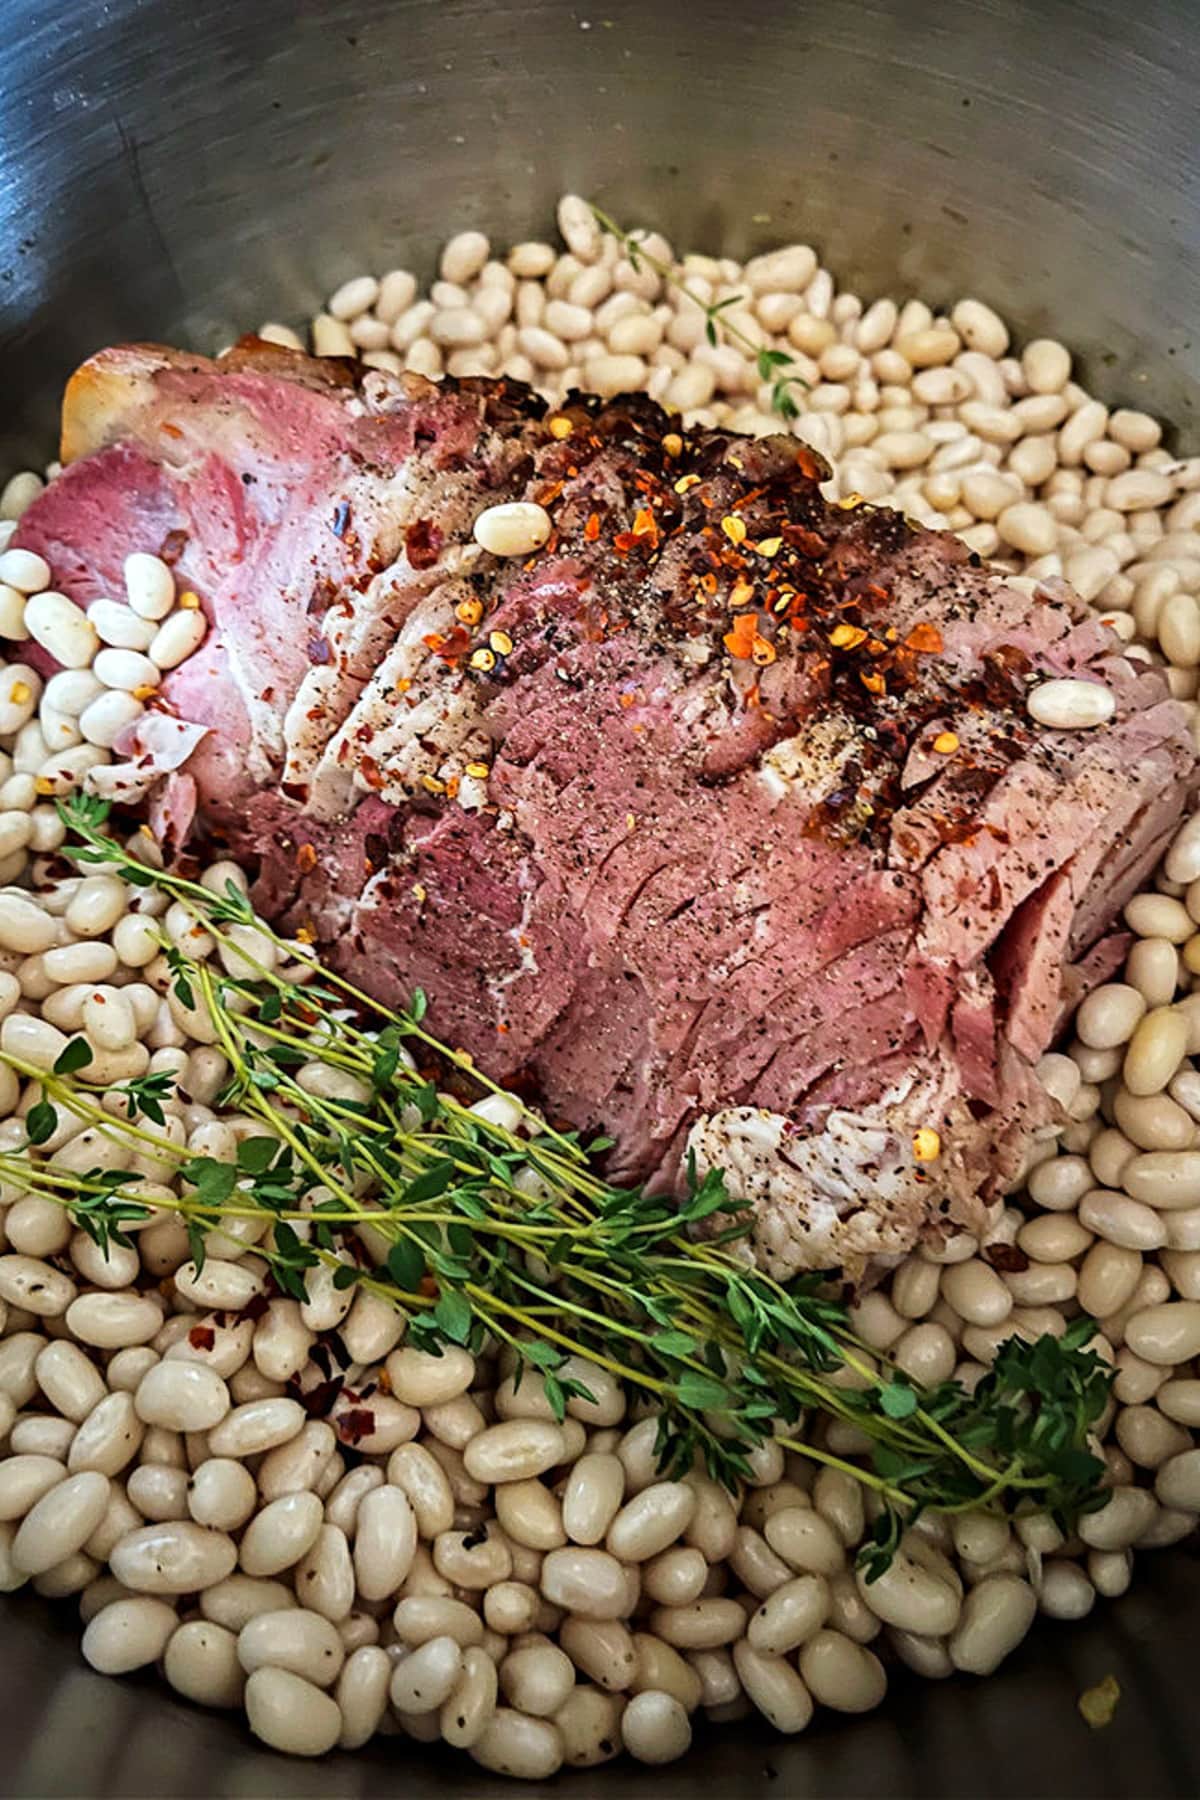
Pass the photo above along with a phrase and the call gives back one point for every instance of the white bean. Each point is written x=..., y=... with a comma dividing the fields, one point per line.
x=514, y=528
x=183, y=1396
x=1068, y=704
x=650, y=1521
x=294, y=1639
x=996, y=1614
x=385, y=1541
x=841, y=1674
x=290, y=1714
x=63, y=629
x=774, y=1687
x=128, y=1634
x=362, y=1694
x=655, y=1728
x=23, y=1481
x=278, y=1536
x=60, y=1523
x=201, y=1663
x=512, y=1744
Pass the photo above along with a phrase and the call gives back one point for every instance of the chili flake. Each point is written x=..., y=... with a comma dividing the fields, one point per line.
x=746, y=642
x=847, y=637
x=741, y=593
x=448, y=648
x=306, y=858
x=874, y=684
x=591, y=530
x=925, y=638
x=926, y=1144
x=734, y=528
x=946, y=743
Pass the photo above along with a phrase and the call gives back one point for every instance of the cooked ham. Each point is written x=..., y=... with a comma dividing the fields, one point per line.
x=721, y=819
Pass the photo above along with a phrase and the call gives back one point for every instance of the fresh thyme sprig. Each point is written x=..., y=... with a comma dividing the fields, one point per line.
x=489, y=1230
x=773, y=366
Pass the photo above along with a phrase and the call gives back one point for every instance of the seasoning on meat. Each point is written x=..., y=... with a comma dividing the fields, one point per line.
x=732, y=824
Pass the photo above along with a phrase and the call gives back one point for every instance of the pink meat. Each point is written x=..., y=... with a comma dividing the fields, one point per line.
x=780, y=899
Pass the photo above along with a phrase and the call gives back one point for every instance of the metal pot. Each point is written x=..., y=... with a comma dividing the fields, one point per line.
x=181, y=171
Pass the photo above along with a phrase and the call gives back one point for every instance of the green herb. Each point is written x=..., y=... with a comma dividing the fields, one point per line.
x=485, y=1234
x=773, y=366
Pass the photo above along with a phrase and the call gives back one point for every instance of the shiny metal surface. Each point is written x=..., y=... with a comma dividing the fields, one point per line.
x=1017, y=1736
x=183, y=170
x=180, y=168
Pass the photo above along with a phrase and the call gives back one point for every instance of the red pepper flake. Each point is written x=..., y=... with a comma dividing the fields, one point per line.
x=170, y=551
x=799, y=537
x=591, y=530
x=874, y=683
x=422, y=543
x=355, y=1424
x=742, y=637
x=306, y=858
x=550, y=493
x=448, y=648
x=644, y=524
x=370, y=772
x=202, y=1337
x=926, y=639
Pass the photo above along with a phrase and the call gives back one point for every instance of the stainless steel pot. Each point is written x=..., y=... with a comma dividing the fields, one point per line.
x=181, y=171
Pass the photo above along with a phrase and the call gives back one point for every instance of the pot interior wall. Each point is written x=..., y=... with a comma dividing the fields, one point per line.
x=181, y=171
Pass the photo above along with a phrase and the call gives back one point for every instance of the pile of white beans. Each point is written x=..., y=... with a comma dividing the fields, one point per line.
x=466, y=1569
